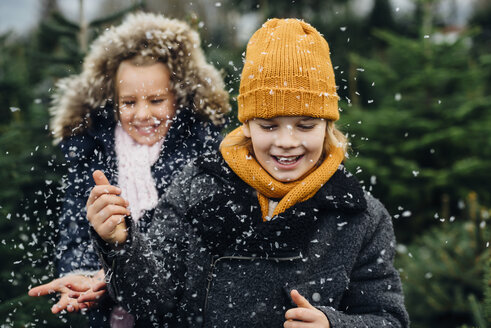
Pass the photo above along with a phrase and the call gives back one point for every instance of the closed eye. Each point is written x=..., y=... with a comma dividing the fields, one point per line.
x=306, y=126
x=128, y=102
x=267, y=127
x=157, y=100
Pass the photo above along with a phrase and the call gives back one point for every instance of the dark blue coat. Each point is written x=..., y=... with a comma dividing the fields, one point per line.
x=92, y=150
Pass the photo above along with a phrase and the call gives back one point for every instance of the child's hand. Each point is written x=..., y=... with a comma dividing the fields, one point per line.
x=305, y=315
x=92, y=295
x=106, y=210
x=66, y=286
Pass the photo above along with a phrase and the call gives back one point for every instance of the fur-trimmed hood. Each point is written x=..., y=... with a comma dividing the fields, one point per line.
x=197, y=84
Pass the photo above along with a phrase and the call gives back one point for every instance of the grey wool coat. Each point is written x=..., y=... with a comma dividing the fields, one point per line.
x=210, y=261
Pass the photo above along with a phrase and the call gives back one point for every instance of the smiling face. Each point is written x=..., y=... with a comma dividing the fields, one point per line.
x=145, y=100
x=287, y=147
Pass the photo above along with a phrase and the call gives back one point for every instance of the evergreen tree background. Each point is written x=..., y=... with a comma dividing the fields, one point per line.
x=446, y=272
x=424, y=127
x=31, y=168
x=415, y=105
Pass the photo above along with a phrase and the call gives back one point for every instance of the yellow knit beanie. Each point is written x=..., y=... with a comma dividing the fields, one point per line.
x=287, y=72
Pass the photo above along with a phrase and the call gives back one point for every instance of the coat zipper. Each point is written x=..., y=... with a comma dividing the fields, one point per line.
x=215, y=260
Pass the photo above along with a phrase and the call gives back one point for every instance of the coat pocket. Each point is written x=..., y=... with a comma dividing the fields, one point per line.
x=325, y=288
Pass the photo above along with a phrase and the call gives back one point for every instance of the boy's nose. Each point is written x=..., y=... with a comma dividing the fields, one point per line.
x=287, y=138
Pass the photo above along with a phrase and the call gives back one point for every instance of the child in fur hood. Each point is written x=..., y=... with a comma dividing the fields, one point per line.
x=145, y=103
x=272, y=232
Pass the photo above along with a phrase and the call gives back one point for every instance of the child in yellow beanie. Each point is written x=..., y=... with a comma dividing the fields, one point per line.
x=272, y=232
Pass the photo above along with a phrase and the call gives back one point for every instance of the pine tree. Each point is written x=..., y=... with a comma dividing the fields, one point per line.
x=482, y=312
x=443, y=272
x=421, y=140
x=423, y=129
x=487, y=294
x=29, y=192
x=30, y=167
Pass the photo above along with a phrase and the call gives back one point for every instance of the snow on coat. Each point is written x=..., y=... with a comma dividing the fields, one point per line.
x=210, y=261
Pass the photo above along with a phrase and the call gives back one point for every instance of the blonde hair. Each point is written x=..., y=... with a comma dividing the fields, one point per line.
x=333, y=138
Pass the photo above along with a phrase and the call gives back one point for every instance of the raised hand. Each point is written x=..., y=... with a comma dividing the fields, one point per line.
x=304, y=315
x=65, y=286
x=106, y=210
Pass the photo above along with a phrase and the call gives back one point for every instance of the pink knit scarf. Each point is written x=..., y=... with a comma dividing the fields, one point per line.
x=134, y=172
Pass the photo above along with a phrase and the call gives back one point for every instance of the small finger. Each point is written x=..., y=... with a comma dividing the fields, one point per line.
x=108, y=227
x=54, y=286
x=98, y=191
x=107, y=199
x=107, y=213
x=301, y=314
x=91, y=297
x=60, y=306
x=74, y=294
x=70, y=308
x=100, y=178
x=87, y=305
x=41, y=290
x=298, y=324
x=98, y=286
x=299, y=300
x=73, y=306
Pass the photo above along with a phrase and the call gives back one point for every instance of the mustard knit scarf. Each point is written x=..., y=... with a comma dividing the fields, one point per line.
x=250, y=171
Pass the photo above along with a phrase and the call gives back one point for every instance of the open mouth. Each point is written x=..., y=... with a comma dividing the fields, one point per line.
x=147, y=129
x=287, y=160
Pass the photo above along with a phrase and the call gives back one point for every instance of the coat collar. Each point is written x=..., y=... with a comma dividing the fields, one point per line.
x=237, y=228
x=103, y=123
x=186, y=134
x=342, y=192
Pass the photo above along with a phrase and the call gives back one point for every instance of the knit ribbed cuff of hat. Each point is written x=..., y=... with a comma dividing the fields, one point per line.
x=271, y=103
